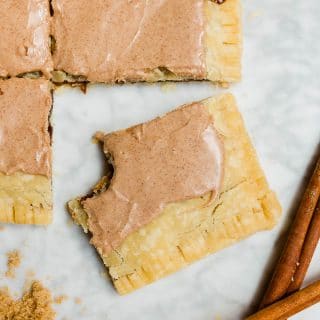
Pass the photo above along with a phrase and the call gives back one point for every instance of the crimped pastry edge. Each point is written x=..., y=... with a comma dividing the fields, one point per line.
x=25, y=199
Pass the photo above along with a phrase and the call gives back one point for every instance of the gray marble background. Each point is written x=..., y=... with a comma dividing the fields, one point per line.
x=280, y=102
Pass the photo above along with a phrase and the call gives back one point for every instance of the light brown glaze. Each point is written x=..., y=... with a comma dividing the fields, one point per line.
x=121, y=40
x=24, y=37
x=173, y=158
x=24, y=137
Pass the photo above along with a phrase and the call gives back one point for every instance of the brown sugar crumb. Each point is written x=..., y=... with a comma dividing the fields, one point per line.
x=77, y=300
x=60, y=299
x=34, y=305
x=14, y=260
x=2, y=227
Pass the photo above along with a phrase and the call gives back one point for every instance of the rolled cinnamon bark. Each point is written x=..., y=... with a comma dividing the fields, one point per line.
x=289, y=258
x=291, y=305
x=307, y=252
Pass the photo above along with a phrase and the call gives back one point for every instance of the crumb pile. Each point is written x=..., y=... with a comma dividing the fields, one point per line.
x=34, y=305
x=14, y=260
x=60, y=299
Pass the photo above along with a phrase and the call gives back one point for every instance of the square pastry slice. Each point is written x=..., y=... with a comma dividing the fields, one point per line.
x=178, y=188
x=25, y=151
x=149, y=40
x=25, y=40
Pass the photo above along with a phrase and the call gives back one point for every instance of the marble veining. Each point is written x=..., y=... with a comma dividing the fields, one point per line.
x=280, y=102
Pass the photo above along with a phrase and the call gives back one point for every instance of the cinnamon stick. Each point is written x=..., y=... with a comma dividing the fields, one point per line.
x=291, y=305
x=307, y=252
x=290, y=255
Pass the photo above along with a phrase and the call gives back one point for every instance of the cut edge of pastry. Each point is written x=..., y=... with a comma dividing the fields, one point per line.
x=222, y=45
x=223, y=41
x=25, y=199
x=135, y=263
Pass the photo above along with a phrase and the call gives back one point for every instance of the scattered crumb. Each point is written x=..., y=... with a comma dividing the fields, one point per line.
x=2, y=228
x=14, y=260
x=168, y=86
x=30, y=274
x=34, y=305
x=218, y=317
x=60, y=299
x=83, y=87
x=77, y=300
x=224, y=85
x=105, y=275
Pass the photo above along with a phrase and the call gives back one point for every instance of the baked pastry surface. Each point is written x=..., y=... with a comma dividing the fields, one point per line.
x=25, y=151
x=25, y=37
x=150, y=53
x=188, y=230
x=223, y=41
x=25, y=199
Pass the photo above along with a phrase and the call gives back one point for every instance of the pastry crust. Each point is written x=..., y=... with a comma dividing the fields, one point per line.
x=223, y=49
x=25, y=38
x=25, y=151
x=189, y=230
x=223, y=41
x=25, y=199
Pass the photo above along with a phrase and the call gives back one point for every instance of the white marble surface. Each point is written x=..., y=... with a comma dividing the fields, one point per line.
x=280, y=101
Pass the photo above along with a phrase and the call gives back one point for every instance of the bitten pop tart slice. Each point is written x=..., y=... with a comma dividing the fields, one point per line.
x=146, y=40
x=25, y=46
x=25, y=151
x=179, y=187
